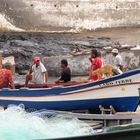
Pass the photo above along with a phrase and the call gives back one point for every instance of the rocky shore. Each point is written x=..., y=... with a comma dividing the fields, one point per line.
x=52, y=47
x=23, y=46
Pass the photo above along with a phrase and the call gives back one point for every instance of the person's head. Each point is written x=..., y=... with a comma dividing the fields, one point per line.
x=64, y=63
x=94, y=53
x=115, y=52
x=7, y=65
x=36, y=60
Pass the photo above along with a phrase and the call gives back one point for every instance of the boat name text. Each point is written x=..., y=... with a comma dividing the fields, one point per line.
x=118, y=82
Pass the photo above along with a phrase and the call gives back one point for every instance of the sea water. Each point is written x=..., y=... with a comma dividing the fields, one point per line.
x=17, y=124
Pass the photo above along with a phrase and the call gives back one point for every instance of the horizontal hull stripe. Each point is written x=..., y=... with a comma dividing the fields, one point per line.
x=120, y=104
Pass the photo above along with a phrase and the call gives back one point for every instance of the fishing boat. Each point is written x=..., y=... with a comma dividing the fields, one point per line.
x=120, y=126
x=120, y=91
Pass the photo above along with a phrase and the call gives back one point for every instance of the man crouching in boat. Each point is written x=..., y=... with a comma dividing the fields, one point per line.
x=37, y=73
x=65, y=74
x=6, y=77
x=117, y=62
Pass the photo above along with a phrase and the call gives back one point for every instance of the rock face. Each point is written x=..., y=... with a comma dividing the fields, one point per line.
x=79, y=64
x=53, y=47
x=23, y=46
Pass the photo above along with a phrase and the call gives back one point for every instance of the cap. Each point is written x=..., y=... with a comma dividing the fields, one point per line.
x=36, y=58
x=115, y=51
x=7, y=64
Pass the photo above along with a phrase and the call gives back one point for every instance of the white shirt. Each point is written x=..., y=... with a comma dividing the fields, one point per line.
x=38, y=73
x=117, y=60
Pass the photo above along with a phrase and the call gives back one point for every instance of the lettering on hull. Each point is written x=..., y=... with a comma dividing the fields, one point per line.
x=118, y=82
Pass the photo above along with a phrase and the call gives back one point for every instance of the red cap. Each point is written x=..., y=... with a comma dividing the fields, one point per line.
x=36, y=58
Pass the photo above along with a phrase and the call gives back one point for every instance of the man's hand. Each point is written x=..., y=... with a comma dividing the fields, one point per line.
x=90, y=59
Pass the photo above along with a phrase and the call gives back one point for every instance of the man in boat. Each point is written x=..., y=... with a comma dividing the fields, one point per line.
x=37, y=73
x=117, y=62
x=65, y=74
x=6, y=76
x=96, y=63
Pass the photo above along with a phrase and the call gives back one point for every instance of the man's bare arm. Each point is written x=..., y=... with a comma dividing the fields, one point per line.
x=46, y=76
x=12, y=85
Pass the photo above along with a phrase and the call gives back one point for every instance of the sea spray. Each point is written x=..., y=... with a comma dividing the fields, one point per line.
x=16, y=123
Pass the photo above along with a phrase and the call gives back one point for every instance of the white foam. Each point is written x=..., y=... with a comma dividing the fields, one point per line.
x=16, y=123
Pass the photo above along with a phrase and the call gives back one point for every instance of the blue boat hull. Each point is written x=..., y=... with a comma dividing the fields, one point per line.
x=120, y=104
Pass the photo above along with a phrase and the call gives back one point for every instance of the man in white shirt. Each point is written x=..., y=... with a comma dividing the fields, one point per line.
x=37, y=73
x=117, y=61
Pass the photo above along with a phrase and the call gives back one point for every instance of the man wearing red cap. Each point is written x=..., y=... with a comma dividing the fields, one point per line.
x=37, y=73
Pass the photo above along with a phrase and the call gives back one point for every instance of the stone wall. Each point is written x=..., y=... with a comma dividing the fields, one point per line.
x=58, y=15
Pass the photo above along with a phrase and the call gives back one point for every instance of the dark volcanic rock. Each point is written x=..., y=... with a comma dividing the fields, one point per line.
x=23, y=46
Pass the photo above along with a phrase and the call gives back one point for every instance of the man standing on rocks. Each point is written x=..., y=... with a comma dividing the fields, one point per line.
x=37, y=73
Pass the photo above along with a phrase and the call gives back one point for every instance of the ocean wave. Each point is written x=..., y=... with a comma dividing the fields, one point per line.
x=17, y=124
